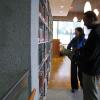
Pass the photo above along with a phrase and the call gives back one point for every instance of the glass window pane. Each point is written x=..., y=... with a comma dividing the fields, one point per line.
x=64, y=31
x=54, y=29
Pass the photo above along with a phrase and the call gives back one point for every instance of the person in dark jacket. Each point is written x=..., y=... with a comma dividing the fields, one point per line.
x=76, y=43
x=90, y=58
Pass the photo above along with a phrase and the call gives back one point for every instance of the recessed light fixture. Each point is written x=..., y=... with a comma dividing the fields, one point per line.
x=87, y=6
x=61, y=11
x=96, y=11
x=82, y=23
x=75, y=19
x=61, y=6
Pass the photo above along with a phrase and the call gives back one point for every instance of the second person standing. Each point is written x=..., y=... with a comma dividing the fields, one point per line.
x=75, y=44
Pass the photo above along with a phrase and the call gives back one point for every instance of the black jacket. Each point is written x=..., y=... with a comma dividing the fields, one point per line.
x=90, y=53
x=76, y=43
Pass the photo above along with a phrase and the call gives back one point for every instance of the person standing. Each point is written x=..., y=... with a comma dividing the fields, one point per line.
x=76, y=43
x=90, y=58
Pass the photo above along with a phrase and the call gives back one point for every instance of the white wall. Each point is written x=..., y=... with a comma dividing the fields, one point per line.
x=34, y=46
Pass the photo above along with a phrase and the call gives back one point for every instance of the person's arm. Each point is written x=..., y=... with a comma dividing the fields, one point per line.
x=70, y=44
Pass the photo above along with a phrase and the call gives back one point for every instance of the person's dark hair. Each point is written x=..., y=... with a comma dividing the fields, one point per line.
x=91, y=15
x=80, y=30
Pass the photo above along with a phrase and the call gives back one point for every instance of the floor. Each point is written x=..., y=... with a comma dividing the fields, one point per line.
x=60, y=73
x=63, y=94
x=59, y=83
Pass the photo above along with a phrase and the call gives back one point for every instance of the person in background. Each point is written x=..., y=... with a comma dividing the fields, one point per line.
x=90, y=57
x=75, y=44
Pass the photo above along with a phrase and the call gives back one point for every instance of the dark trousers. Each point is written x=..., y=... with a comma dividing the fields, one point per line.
x=90, y=87
x=80, y=76
x=75, y=74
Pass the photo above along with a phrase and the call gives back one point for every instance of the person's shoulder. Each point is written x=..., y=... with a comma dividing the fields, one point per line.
x=97, y=29
x=96, y=25
x=74, y=38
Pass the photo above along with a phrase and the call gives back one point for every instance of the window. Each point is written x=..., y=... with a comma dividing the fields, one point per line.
x=55, y=30
x=64, y=31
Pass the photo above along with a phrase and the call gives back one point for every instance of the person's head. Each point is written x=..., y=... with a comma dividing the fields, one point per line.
x=89, y=18
x=79, y=32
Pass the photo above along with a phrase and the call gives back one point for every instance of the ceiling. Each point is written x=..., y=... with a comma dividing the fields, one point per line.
x=78, y=5
x=70, y=8
x=60, y=7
